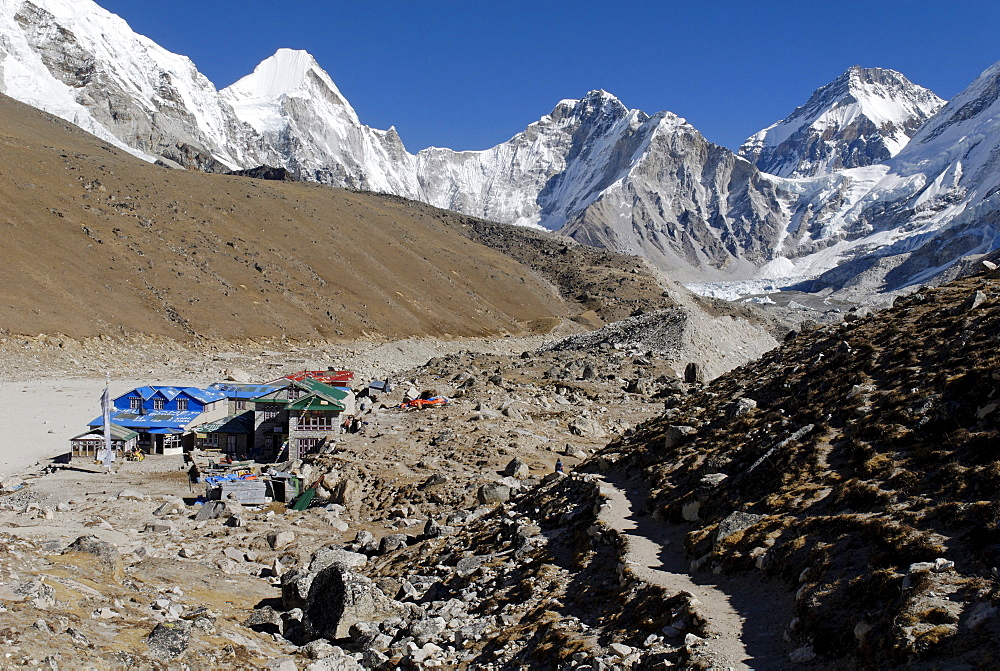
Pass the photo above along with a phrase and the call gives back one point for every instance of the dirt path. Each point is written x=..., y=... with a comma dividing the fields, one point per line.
x=746, y=620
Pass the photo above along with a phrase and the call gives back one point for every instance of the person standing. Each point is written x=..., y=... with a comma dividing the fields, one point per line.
x=193, y=475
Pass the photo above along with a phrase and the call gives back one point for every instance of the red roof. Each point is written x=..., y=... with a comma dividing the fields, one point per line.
x=334, y=378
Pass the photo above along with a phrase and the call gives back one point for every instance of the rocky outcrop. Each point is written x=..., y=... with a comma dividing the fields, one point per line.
x=335, y=598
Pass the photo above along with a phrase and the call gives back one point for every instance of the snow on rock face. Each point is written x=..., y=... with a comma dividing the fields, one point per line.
x=692, y=207
x=865, y=116
x=544, y=175
x=850, y=195
x=306, y=125
x=84, y=64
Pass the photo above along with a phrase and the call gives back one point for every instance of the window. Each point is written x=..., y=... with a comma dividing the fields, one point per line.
x=135, y=402
x=241, y=405
x=182, y=404
x=269, y=413
x=315, y=421
x=308, y=445
x=157, y=404
x=293, y=393
x=210, y=440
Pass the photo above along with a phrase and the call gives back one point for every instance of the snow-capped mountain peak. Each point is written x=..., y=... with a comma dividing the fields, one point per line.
x=864, y=116
x=288, y=73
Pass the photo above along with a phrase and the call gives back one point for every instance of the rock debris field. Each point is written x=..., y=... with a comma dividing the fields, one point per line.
x=438, y=538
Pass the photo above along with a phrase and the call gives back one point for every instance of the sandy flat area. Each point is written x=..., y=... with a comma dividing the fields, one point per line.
x=41, y=416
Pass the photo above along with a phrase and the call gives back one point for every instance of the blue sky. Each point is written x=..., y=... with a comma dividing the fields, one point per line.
x=470, y=74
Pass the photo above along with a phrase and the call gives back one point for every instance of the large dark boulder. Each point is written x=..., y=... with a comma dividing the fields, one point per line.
x=335, y=598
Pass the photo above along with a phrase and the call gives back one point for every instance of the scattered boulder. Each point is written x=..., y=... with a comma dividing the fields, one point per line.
x=393, y=542
x=169, y=640
x=587, y=427
x=694, y=373
x=676, y=435
x=734, y=523
x=330, y=556
x=210, y=510
x=106, y=552
x=740, y=407
x=172, y=506
x=335, y=598
x=493, y=493
x=517, y=469
x=279, y=539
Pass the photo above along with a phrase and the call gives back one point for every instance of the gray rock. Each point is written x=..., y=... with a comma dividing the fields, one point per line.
x=689, y=511
x=694, y=373
x=365, y=541
x=740, y=407
x=620, y=649
x=712, y=479
x=512, y=412
x=336, y=598
x=338, y=660
x=467, y=565
x=234, y=554
x=317, y=649
x=493, y=493
x=973, y=302
x=329, y=556
x=734, y=523
x=264, y=619
x=106, y=552
x=172, y=506
x=435, y=479
x=677, y=435
x=802, y=655
x=78, y=637
x=586, y=427
x=426, y=630
x=280, y=539
x=393, y=542
x=237, y=375
x=434, y=530
x=346, y=493
x=981, y=612
x=169, y=639
x=517, y=469
x=210, y=510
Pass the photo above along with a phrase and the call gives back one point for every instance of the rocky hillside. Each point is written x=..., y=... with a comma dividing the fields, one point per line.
x=441, y=536
x=108, y=244
x=854, y=463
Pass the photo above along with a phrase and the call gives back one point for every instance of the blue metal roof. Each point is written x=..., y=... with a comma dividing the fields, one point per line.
x=241, y=423
x=243, y=391
x=170, y=393
x=156, y=419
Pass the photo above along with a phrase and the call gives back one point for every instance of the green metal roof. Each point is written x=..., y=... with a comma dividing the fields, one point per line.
x=320, y=389
x=319, y=396
x=316, y=402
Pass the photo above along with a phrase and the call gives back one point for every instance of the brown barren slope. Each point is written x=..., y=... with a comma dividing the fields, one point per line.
x=98, y=241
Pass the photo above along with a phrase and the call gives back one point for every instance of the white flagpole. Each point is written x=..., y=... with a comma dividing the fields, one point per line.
x=109, y=453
